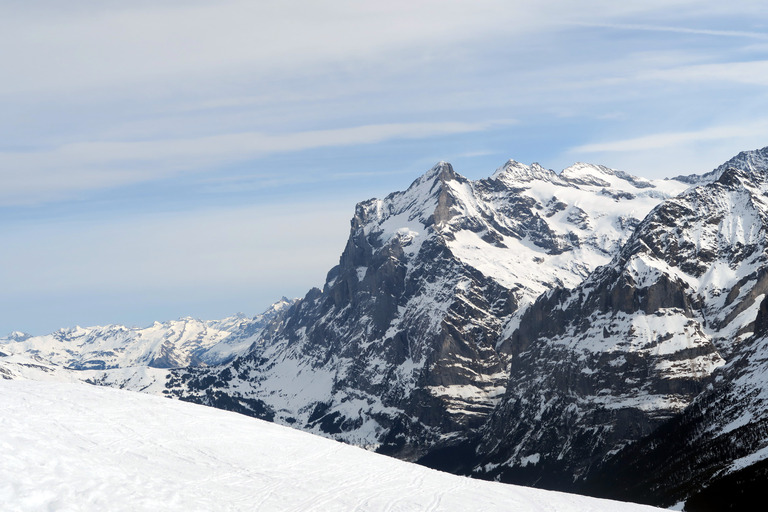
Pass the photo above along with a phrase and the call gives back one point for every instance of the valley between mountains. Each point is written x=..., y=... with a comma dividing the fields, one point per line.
x=586, y=331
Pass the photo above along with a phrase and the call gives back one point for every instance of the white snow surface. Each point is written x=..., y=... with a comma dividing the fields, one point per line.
x=76, y=447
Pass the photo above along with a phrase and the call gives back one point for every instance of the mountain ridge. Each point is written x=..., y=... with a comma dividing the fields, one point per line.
x=186, y=341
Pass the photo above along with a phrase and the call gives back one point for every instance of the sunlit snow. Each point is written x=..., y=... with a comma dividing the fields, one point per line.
x=79, y=447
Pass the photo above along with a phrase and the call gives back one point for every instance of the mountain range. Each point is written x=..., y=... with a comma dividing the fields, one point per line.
x=586, y=331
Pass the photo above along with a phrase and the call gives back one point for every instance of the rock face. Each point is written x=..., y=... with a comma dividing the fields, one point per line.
x=399, y=350
x=712, y=455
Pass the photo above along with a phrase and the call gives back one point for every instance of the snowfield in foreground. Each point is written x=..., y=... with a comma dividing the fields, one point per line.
x=77, y=447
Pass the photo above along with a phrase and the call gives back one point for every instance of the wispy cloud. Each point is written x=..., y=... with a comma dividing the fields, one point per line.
x=753, y=72
x=171, y=39
x=747, y=34
x=101, y=44
x=30, y=177
x=672, y=139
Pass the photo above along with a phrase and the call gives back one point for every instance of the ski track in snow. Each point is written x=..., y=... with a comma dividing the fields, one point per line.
x=74, y=447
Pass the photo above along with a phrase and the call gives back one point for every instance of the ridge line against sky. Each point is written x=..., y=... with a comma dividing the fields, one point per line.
x=205, y=141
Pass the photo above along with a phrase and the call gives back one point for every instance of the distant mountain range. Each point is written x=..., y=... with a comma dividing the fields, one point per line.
x=182, y=342
x=585, y=330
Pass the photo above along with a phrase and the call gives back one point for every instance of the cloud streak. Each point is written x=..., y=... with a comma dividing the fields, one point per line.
x=94, y=46
x=753, y=72
x=673, y=139
x=678, y=30
x=157, y=42
x=30, y=177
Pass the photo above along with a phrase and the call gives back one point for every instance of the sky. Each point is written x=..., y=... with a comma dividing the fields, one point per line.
x=192, y=158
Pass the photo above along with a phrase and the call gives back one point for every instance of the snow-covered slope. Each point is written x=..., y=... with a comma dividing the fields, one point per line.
x=182, y=342
x=78, y=447
x=136, y=378
x=550, y=228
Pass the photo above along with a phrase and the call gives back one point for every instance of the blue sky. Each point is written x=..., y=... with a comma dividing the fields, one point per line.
x=168, y=158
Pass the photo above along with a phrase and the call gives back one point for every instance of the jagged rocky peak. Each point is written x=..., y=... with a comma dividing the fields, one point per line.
x=18, y=336
x=423, y=204
x=736, y=176
x=281, y=304
x=600, y=175
x=578, y=174
x=752, y=161
x=442, y=171
x=588, y=174
x=517, y=200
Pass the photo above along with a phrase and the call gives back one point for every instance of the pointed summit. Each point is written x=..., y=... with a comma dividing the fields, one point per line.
x=514, y=171
x=441, y=172
x=18, y=336
x=588, y=174
x=601, y=176
x=444, y=171
x=754, y=161
x=418, y=204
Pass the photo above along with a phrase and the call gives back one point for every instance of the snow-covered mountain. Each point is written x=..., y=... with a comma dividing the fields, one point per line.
x=398, y=351
x=76, y=447
x=178, y=343
x=640, y=338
